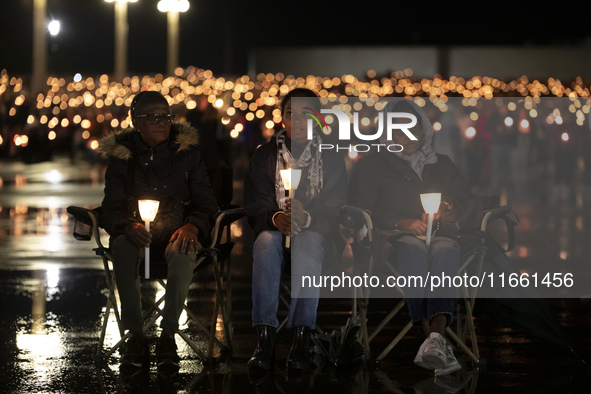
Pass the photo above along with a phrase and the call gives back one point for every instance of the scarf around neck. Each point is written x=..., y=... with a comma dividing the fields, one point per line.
x=426, y=154
x=310, y=158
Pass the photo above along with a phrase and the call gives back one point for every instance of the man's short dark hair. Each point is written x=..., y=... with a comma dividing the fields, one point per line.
x=297, y=92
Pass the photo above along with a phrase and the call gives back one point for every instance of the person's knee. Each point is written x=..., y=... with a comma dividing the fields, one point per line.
x=409, y=245
x=268, y=256
x=179, y=262
x=123, y=247
x=446, y=246
x=445, y=255
x=268, y=239
x=308, y=254
x=309, y=240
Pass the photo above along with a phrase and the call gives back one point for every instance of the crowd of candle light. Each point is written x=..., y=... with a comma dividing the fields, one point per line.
x=244, y=99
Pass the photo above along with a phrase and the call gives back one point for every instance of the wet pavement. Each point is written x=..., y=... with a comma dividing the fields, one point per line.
x=53, y=295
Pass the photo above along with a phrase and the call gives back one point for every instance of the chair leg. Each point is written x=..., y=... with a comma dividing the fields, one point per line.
x=101, y=343
x=111, y=304
x=110, y=279
x=192, y=345
x=151, y=310
x=228, y=278
x=281, y=325
x=354, y=306
x=213, y=327
x=220, y=301
x=473, y=337
x=229, y=291
x=364, y=331
x=387, y=319
x=395, y=341
x=461, y=344
x=202, y=326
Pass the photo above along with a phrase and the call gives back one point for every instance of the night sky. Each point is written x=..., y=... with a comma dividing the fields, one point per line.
x=218, y=34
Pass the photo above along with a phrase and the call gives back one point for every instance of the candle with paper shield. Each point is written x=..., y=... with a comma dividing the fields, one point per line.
x=291, y=181
x=431, y=202
x=148, y=211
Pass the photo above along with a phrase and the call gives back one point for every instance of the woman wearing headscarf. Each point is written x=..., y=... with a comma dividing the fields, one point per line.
x=308, y=218
x=389, y=184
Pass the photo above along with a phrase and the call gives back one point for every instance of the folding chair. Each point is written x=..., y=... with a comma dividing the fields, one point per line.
x=474, y=250
x=217, y=255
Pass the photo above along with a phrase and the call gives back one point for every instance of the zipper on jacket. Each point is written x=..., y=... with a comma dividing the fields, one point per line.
x=151, y=155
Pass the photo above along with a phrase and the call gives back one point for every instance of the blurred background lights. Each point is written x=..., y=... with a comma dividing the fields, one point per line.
x=54, y=28
x=564, y=136
x=470, y=133
x=173, y=5
x=53, y=176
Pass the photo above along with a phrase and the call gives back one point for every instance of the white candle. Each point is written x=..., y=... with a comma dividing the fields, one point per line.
x=431, y=202
x=291, y=180
x=148, y=210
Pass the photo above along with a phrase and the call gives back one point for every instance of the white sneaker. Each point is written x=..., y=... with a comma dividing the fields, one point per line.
x=435, y=353
x=452, y=363
x=419, y=356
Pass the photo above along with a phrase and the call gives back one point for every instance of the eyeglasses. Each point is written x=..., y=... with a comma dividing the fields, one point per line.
x=154, y=119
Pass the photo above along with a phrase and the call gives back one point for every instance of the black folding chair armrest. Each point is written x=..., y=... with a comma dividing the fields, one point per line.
x=82, y=214
x=353, y=218
x=89, y=217
x=229, y=216
x=491, y=215
x=225, y=218
x=510, y=218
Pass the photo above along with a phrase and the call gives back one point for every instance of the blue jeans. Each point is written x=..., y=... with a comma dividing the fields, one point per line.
x=306, y=259
x=444, y=257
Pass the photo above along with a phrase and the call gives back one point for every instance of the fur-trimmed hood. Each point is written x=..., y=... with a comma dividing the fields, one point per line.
x=184, y=136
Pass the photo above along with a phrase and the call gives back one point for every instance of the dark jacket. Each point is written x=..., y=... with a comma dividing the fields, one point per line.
x=172, y=173
x=387, y=186
x=259, y=191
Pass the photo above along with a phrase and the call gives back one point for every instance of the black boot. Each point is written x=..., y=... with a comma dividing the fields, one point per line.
x=264, y=355
x=299, y=355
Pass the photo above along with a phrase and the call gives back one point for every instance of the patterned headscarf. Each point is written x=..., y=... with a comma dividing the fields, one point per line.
x=426, y=154
x=310, y=158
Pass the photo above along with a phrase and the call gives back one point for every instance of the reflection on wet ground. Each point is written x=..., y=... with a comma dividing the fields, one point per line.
x=53, y=295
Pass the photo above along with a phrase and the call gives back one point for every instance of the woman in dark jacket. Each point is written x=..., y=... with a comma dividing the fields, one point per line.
x=156, y=160
x=389, y=185
x=308, y=218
